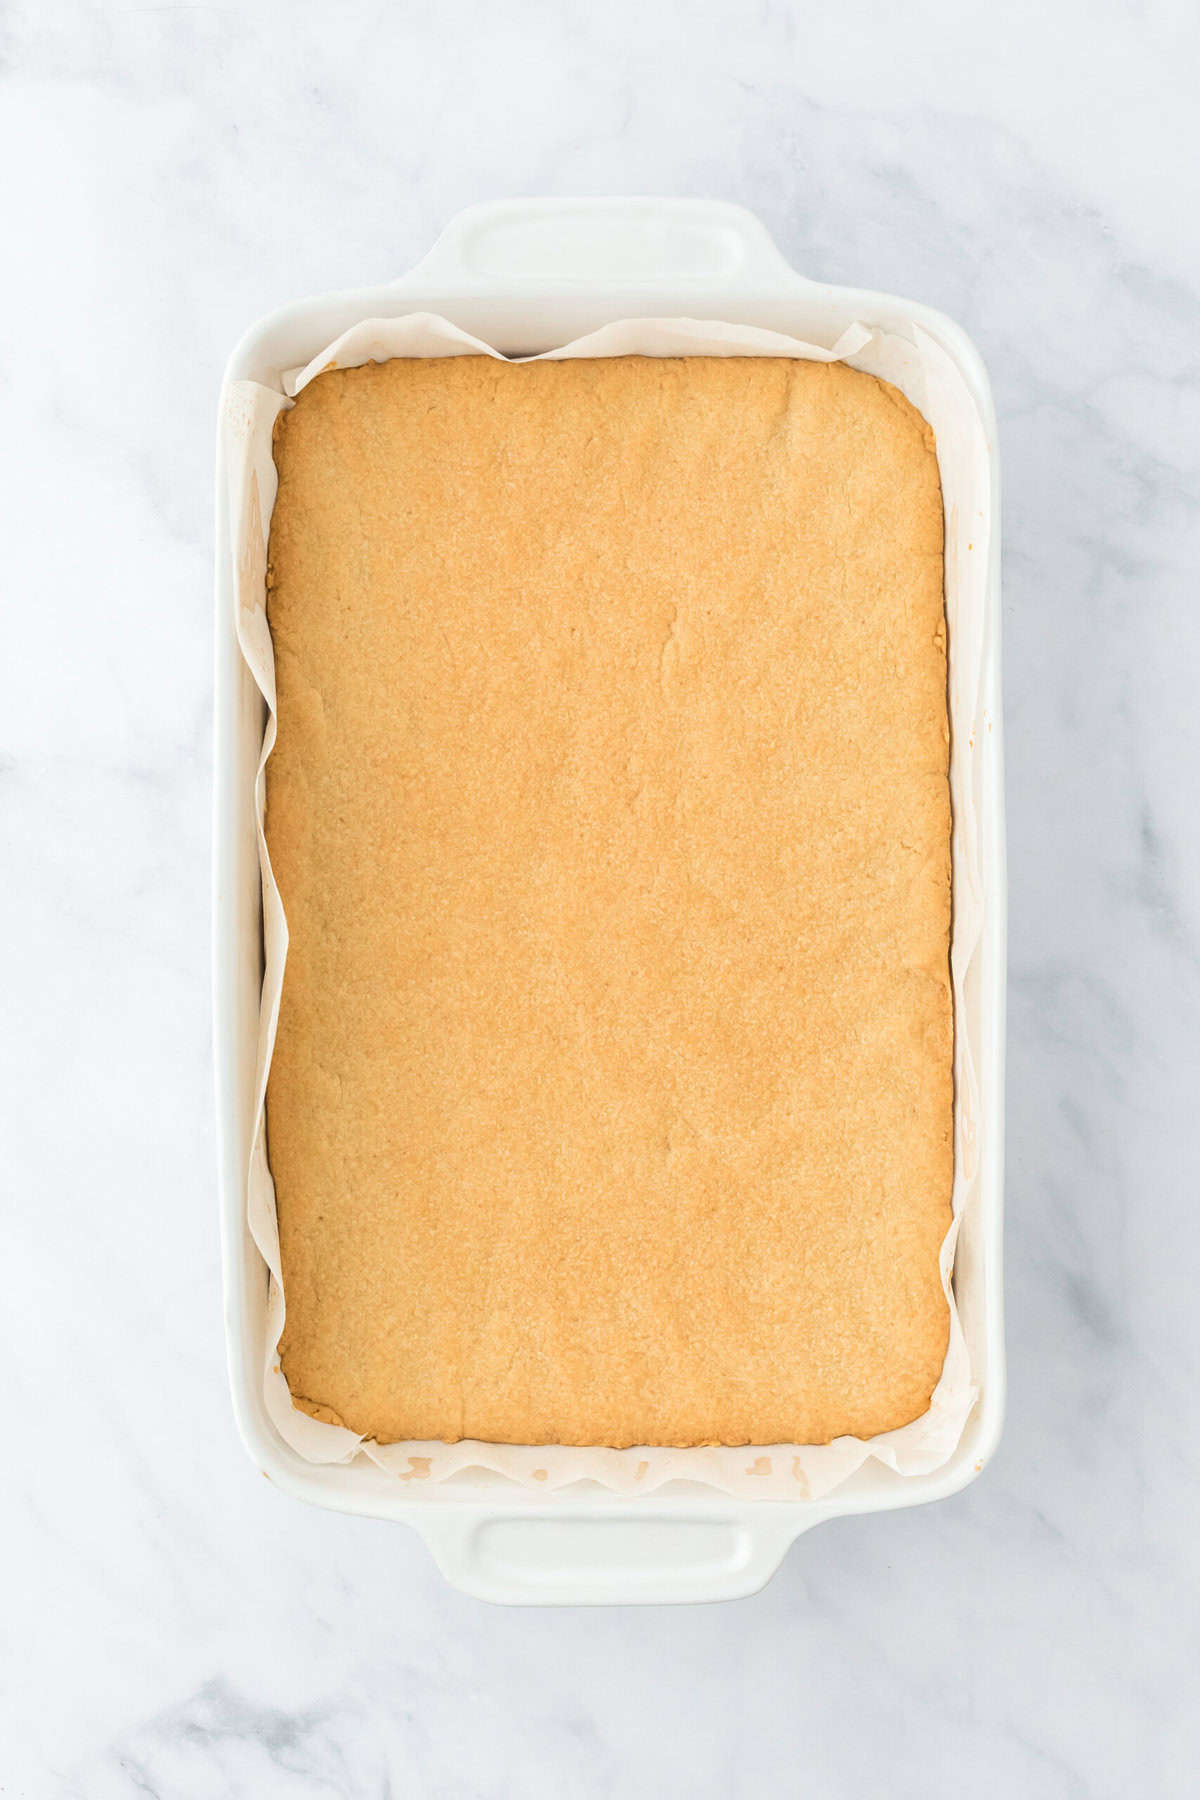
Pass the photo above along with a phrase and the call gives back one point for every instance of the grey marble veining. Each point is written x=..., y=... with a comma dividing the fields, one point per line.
x=173, y=1627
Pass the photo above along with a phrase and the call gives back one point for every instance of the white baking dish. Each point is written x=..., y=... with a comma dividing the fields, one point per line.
x=526, y=275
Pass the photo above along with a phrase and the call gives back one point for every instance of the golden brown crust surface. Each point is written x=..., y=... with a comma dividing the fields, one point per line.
x=611, y=1101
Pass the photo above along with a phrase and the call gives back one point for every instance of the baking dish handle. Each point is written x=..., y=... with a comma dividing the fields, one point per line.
x=606, y=242
x=607, y=1556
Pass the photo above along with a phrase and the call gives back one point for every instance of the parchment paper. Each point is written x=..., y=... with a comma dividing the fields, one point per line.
x=926, y=375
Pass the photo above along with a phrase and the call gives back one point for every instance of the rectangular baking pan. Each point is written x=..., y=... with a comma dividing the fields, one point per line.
x=526, y=275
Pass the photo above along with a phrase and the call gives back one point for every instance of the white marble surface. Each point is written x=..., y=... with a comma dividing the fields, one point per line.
x=173, y=1626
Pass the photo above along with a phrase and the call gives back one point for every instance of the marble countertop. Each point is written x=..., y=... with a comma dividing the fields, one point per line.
x=177, y=1628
